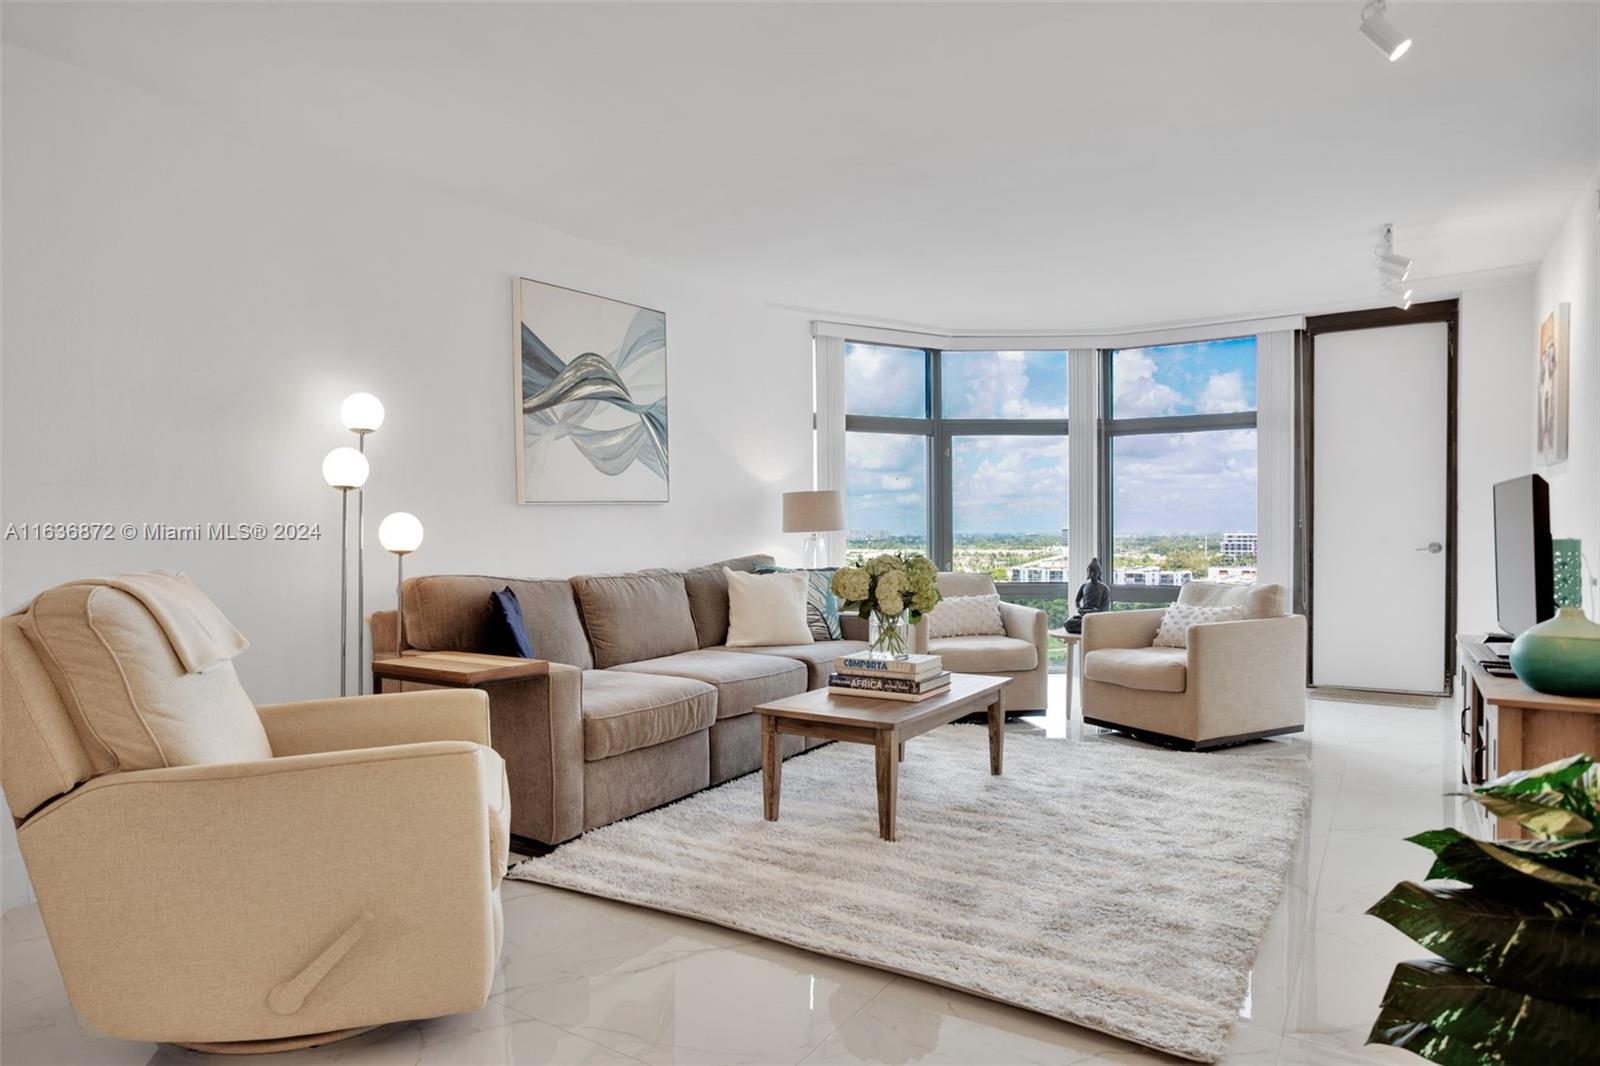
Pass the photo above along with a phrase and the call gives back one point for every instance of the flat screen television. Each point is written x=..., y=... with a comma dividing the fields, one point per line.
x=1524, y=565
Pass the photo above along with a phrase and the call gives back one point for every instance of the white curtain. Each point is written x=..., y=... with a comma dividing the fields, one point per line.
x=827, y=356
x=1275, y=428
x=1083, y=425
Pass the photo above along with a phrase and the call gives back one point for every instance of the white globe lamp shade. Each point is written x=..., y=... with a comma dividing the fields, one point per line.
x=361, y=412
x=344, y=468
x=400, y=533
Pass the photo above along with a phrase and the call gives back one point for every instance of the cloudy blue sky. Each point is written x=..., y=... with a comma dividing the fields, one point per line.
x=1180, y=483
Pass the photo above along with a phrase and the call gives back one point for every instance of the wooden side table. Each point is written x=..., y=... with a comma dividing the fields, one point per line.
x=1074, y=642
x=455, y=669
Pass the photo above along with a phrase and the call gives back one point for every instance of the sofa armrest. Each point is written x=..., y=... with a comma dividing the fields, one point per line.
x=1120, y=629
x=376, y=721
x=1251, y=673
x=214, y=886
x=1026, y=623
x=537, y=726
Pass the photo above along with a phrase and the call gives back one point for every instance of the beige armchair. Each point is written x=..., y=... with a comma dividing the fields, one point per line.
x=1021, y=653
x=1236, y=681
x=228, y=877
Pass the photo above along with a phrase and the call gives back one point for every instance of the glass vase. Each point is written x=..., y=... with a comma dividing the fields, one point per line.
x=887, y=634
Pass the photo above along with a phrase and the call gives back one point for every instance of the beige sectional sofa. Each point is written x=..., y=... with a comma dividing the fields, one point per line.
x=645, y=703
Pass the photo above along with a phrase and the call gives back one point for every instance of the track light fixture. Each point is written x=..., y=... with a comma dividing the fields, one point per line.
x=1376, y=27
x=1398, y=295
x=1393, y=270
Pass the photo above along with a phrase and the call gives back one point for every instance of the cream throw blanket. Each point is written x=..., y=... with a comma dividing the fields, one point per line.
x=196, y=627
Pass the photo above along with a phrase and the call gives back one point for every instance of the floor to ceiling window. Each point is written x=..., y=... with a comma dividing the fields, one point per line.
x=1179, y=466
x=962, y=455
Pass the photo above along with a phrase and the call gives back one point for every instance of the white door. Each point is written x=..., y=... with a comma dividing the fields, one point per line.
x=1378, y=551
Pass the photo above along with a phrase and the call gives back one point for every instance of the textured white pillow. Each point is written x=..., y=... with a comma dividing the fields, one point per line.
x=766, y=609
x=966, y=616
x=1175, y=623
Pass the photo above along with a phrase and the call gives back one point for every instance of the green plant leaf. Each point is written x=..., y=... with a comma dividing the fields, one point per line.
x=1506, y=871
x=1450, y=1017
x=1543, y=818
x=1571, y=785
x=1549, y=946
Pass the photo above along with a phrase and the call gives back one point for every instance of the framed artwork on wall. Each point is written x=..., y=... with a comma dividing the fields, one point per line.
x=591, y=388
x=1550, y=419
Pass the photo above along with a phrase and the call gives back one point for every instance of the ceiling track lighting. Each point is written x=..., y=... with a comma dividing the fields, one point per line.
x=1393, y=270
x=1376, y=27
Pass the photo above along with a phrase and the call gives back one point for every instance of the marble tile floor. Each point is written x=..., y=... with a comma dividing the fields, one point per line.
x=590, y=981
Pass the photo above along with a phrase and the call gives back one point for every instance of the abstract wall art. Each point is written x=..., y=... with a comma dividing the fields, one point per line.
x=1550, y=419
x=591, y=398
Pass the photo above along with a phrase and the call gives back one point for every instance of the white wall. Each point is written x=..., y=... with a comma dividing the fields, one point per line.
x=1495, y=367
x=186, y=305
x=1570, y=274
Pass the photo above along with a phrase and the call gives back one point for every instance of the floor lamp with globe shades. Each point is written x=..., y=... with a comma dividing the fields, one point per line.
x=344, y=469
x=361, y=414
x=401, y=534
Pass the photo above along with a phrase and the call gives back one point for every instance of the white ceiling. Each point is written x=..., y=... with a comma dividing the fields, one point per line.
x=966, y=166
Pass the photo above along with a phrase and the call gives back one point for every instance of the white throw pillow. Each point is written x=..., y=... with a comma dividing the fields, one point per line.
x=966, y=616
x=766, y=609
x=1175, y=623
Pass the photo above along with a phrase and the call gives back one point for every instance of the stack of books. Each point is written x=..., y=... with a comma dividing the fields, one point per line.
x=909, y=679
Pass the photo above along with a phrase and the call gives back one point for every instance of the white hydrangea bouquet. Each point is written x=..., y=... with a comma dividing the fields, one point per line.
x=891, y=591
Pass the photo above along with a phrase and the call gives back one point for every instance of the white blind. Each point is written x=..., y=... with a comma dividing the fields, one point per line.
x=1275, y=457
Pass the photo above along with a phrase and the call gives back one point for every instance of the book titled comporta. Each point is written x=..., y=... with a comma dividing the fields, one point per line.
x=901, y=685
x=916, y=667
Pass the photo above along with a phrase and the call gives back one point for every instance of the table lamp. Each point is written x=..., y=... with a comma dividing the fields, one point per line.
x=400, y=533
x=344, y=469
x=361, y=414
x=813, y=513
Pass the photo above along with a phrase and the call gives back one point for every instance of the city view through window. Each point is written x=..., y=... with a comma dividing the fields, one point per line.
x=1181, y=447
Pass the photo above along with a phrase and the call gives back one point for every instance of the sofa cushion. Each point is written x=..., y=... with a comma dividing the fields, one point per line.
x=508, y=630
x=955, y=583
x=707, y=588
x=822, y=606
x=818, y=656
x=643, y=615
x=626, y=711
x=742, y=680
x=131, y=698
x=1151, y=669
x=985, y=654
x=767, y=608
x=1259, y=601
x=450, y=612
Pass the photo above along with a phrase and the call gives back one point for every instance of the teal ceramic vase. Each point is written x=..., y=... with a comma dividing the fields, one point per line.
x=1560, y=656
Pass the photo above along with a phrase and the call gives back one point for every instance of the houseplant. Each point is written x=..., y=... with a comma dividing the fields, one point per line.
x=892, y=591
x=1516, y=924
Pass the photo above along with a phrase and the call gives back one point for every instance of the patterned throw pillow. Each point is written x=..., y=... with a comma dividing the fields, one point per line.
x=966, y=616
x=822, y=606
x=1175, y=623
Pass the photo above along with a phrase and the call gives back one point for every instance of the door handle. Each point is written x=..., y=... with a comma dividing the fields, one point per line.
x=1432, y=548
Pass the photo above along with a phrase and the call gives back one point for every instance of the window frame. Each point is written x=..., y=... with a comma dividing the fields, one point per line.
x=939, y=431
x=1111, y=428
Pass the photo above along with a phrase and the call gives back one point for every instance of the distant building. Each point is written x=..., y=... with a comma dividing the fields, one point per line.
x=1232, y=575
x=1052, y=569
x=1236, y=547
x=1151, y=576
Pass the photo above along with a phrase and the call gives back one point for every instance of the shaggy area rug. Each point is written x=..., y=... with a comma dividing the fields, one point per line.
x=1117, y=887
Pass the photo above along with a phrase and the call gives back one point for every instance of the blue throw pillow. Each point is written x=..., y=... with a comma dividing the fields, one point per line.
x=507, y=634
x=822, y=607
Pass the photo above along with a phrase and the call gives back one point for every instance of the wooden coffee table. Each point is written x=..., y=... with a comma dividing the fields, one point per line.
x=886, y=725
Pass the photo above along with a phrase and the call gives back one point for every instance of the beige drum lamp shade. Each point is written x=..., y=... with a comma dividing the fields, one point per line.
x=813, y=512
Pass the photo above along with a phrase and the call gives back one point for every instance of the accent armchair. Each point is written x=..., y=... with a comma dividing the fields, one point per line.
x=1236, y=681
x=1021, y=653
x=228, y=877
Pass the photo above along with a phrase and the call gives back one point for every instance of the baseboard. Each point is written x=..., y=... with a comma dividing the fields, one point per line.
x=1150, y=736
